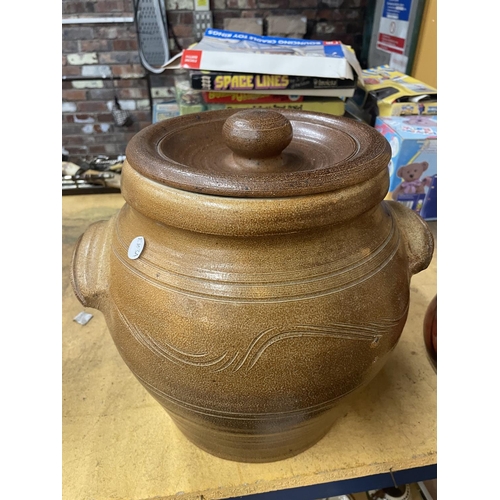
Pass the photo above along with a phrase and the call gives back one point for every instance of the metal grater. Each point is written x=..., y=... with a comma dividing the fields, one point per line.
x=152, y=34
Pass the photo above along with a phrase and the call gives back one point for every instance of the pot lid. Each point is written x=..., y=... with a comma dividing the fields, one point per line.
x=258, y=152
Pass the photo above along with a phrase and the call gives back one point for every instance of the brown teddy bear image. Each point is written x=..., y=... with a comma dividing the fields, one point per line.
x=412, y=184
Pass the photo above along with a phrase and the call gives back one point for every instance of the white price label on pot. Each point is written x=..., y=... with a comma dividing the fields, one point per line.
x=136, y=247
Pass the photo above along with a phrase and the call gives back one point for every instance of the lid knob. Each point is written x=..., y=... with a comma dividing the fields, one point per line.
x=257, y=137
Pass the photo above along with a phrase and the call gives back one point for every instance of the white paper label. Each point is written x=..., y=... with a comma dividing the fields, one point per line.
x=136, y=247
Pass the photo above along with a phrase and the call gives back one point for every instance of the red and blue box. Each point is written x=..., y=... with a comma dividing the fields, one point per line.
x=413, y=166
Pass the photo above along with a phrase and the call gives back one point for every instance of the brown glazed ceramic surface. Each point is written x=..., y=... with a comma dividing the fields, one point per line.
x=430, y=332
x=273, y=282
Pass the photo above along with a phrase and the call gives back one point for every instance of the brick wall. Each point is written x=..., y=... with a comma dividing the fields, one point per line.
x=100, y=59
x=327, y=19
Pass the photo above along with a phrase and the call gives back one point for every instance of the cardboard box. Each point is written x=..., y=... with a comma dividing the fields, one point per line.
x=232, y=51
x=164, y=110
x=383, y=91
x=413, y=166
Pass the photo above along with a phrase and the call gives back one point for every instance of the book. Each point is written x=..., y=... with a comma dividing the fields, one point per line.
x=331, y=106
x=243, y=98
x=215, y=81
x=232, y=51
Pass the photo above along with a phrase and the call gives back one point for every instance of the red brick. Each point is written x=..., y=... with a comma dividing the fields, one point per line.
x=142, y=116
x=95, y=45
x=97, y=149
x=132, y=93
x=76, y=150
x=71, y=71
x=106, y=32
x=183, y=30
x=273, y=4
x=70, y=46
x=114, y=149
x=108, y=138
x=350, y=4
x=309, y=13
x=66, y=85
x=302, y=4
x=218, y=17
x=114, y=58
x=91, y=106
x=331, y=14
x=73, y=129
x=101, y=94
x=73, y=8
x=128, y=69
x=125, y=45
x=74, y=95
x=255, y=13
x=104, y=118
x=132, y=82
x=127, y=32
x=80, y=116
x=104, y=6
x=180, y=17
x=77, y=33
x=76, y=140
x=113, y=138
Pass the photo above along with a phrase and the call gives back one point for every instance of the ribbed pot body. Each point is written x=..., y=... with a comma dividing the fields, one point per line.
x=250, y=334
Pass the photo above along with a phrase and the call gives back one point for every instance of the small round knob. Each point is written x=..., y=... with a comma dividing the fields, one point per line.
x=257, y=137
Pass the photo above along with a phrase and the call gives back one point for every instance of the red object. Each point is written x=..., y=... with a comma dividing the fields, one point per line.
x=393, y=43
x=191, y=59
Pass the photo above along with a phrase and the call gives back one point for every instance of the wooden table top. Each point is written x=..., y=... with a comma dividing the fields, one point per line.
x=119, y=443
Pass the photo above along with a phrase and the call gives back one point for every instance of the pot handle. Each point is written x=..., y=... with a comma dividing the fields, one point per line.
x=418, y=238
x=90, y=265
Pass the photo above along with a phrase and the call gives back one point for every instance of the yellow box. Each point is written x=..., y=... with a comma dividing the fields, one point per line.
x=385, y=92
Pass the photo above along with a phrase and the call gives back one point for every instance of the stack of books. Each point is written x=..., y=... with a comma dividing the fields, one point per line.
x=229, y=69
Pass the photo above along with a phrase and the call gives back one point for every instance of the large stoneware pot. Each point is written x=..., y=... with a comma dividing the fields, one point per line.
x=255, y=276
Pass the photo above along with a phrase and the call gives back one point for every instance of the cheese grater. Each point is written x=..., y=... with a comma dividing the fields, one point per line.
x=151, y=23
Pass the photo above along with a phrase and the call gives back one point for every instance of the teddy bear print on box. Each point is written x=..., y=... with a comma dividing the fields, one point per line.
x=412, y=181
x=413, y=166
